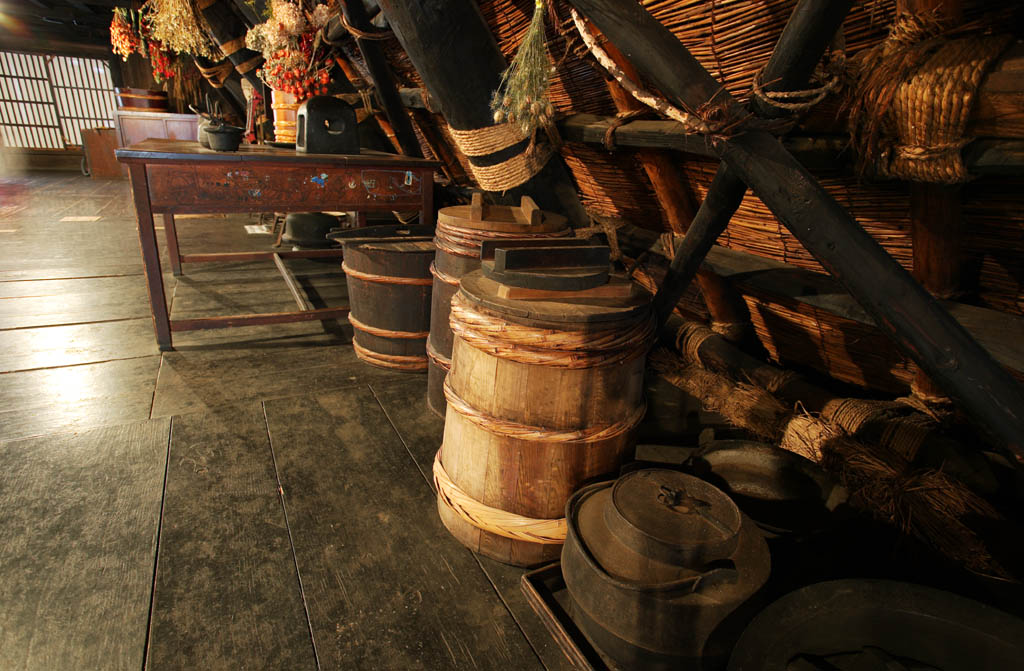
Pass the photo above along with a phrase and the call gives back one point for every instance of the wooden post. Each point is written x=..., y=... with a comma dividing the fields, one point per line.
x=383, y=80
x=899, y=305
x=455, y=54
x=936, y=211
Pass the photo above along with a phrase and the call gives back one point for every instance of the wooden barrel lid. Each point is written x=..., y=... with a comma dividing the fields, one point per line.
x=484, y=292
x=523, y=218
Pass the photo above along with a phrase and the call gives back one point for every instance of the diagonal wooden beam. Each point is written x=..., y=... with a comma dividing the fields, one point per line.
x=808, y=32
x=900, y=306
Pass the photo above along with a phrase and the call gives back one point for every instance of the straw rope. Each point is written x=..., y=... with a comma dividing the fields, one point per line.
x=794, y=101
x=549, y=347
x=386, y=333
x=217, y=74
x=519, y=431
x=689, y=338
x=487, y=140
x=385, y=279
x=395, y=361
x=610, y=228
x=444, y=277
x=512, y=172
x=500, y=522
x=439, y=359
x=363, y=34
x=250, y=64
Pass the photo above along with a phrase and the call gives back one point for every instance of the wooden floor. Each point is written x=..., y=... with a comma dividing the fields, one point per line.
x=256, y=499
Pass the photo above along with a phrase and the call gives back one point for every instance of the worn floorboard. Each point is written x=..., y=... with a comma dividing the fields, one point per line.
x=226, y=594
x=405, y=403
x=386, y=586
x=79, y=514
x=50, y=346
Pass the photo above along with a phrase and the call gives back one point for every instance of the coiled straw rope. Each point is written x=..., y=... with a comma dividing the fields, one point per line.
x=510, y=429
x=549, y=347
x=494, y=520
x=461, y=241
x=487, y=140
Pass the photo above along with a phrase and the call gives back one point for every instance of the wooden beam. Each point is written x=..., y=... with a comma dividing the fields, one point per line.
x=455, y=54
x=380, y=72
x=904, y=310
x=293, y=286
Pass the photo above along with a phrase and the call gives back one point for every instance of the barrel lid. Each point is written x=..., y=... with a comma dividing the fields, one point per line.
x=523, y=218
x=383, y=233
x=673, y=517
x=399, y=246
x=484, y=292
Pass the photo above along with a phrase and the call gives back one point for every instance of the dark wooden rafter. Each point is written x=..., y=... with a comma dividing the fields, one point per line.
x=377, y=66
x=455, y=54
x=900, y=306
x=228, y=26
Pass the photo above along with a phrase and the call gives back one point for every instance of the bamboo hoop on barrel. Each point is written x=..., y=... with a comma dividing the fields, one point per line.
x=385, y=279
x=549, y=347
x=385, y=333
x=510, y=429
x=494, y=520
x=395, y=361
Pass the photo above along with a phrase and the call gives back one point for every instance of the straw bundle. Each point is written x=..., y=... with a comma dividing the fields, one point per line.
x=926, y=503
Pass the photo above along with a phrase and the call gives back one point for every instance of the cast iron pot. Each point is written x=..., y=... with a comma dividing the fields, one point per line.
x=224, y=138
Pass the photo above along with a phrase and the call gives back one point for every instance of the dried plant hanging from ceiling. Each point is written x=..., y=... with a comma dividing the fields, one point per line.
x=297, y=60
x=521, y=98
x=181, y=28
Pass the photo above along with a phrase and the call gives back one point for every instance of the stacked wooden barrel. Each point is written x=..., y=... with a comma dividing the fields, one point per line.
x=543, y=396
x=460, y=231
x=387, y=269
x=286, y=109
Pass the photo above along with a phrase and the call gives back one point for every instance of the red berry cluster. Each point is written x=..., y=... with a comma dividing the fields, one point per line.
x=160, y=61
x=297, y=71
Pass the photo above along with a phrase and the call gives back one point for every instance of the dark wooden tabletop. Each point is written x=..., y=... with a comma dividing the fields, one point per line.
x=156, y=150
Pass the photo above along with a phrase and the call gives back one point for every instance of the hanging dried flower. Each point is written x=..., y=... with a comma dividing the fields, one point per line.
x=181, y=28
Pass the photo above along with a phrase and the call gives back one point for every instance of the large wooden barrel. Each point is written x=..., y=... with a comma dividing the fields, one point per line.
x=389, y=300
x=286, y=109
x=460, y=230
x=543, y=396
x=141, y=100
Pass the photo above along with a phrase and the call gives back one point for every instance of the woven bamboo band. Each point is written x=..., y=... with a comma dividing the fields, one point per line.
x=487, y=140
x=494, y=520
x=510, y=429
x=385, y=279
x=231, y=46
x=466, y=241
x=549, y=347
x=217, y=74
x=394, y=361
x=250, y=64
x=444, y=277
x=439, y=359
x=386, y=333
x=514, y=171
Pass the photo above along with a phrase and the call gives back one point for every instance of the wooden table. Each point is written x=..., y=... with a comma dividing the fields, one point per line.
x=177, y=177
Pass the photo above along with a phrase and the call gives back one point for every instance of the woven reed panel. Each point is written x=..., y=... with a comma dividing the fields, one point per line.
x=613, y=185
x=883, y=210
x=798, y=334
x=994, y=241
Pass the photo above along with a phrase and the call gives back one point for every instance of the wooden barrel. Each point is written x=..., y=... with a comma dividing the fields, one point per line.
x=141, y=100
x=286, y=108
x=543, y=396
x=389, y=299
x=460, y=230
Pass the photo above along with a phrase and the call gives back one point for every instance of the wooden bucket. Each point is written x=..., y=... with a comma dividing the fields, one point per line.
x=141, y=100
x=389, y=299
x=286, y=108
x=460, y=230
x=543, y=396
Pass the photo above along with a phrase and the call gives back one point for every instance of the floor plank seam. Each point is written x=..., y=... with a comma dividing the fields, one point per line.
x=156, y=550
x=291, y=541
x=408, y=450
x=73, y=365
x=81, y=277
x=85, y=323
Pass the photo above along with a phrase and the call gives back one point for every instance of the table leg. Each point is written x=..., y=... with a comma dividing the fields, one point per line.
x=427, y=213
x=151, y=256
x=172, y=244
